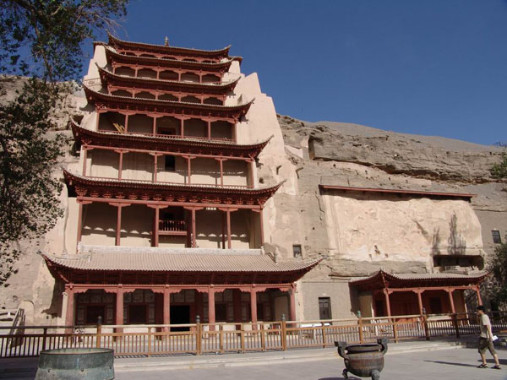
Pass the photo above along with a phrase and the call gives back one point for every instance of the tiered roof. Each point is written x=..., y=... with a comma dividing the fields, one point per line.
x=121, y=45
x=381, y=280
x=109, y=188
x=169, y=268
x=211, y=67
x=222, y=88
x=164, y=143
x=119, y=103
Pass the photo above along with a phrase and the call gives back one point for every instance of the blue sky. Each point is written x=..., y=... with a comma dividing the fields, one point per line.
x=432, y=67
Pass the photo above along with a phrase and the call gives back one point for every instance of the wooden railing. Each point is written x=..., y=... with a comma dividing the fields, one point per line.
x=200, y=338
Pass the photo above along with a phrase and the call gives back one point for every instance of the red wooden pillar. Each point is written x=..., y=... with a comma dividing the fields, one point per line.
x=182, y=127
x=209, y=129
x=292, y=294
x=228, y=223
x=211, y=306
x=120, y=162
x=126, y=123
x=419, y=300
x=261, y=224
x=167, y=309
x=85, y=157
x=80, y=221
x=155, y=165
x=261, y=219
x=155, y=122
x=478, y=292
x=224, y=232
x=69, y=315
x=189, y=169
x=193, y=210
x=194, y=228
x=228, y=218
x=251, y=164
x=253, y=307
x=451, y=300
x=221, y=168
x=156, y=226
x=118, y=220
x=388, y=302
x=118, y=226
x=119, y=308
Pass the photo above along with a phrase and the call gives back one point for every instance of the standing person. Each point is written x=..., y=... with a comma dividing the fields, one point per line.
x=486, y=338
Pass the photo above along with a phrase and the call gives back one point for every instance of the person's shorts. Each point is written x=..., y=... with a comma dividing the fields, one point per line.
x=486, y=344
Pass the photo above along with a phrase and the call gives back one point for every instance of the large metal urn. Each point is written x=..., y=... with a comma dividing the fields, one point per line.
x=76, y=364
x=363, y=360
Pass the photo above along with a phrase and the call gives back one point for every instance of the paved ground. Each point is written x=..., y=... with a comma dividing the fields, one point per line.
x=417, y=361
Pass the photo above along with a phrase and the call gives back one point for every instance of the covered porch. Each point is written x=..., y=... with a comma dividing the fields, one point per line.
x=153, y=287
x=384, y=294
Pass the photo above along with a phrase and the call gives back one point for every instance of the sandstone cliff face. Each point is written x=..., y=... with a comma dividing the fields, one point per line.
x=358, y=156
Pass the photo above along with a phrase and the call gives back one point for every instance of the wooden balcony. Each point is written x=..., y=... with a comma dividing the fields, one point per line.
x=172, y=227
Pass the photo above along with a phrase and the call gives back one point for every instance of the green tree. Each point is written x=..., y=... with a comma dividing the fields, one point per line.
x=499, y=170
x=498, y=269
x=41, y=40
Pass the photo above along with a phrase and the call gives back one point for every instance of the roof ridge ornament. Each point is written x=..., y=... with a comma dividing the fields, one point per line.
x=166, y=41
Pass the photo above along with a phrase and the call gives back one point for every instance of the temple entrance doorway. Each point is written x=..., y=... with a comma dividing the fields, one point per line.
x=180, y=315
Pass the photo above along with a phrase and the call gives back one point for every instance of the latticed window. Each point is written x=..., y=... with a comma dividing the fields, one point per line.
x=324, y=308
x=497, y=239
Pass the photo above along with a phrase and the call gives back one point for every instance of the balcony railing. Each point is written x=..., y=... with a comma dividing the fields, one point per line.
x=172, y=225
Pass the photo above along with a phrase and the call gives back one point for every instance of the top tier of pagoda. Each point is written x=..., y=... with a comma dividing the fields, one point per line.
x=170, y=52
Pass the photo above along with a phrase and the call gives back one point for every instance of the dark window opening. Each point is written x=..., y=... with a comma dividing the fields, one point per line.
x=435, y=305
x=260, y=312
x=170, y=163
x=497, y=239
x=324, y=308
x=457, y=261
x=167, y=131
x=137, y=314
x=221, y=312
x=93, y=313
x=296, y=249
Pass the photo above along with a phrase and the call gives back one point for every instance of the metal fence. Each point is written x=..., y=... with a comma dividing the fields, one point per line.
x=200, y=338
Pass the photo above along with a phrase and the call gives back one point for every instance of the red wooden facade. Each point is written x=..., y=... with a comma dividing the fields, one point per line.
x=179, y=96
x=417, y=293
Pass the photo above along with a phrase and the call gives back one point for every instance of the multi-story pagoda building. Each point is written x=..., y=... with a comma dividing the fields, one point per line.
x=165, y=211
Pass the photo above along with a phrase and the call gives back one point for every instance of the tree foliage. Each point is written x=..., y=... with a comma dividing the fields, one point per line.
x=500, y=170
x=498, y=269
x=42, y=41
x=44, y=37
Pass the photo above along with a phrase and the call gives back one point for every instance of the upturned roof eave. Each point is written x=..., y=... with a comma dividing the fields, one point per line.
x=111, y=55
x=79, y=131
x=71, y=178
x=170, y=49
x=93, y=95
x=89, y=262
x=168, y=83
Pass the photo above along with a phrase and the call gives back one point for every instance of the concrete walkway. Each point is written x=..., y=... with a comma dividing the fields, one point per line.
x=409, y=360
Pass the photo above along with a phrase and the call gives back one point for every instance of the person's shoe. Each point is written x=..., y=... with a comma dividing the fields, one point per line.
x=482, y=365
x=496, y=367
